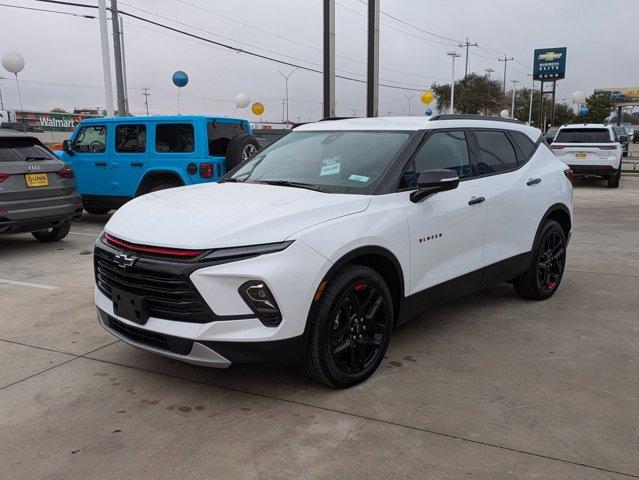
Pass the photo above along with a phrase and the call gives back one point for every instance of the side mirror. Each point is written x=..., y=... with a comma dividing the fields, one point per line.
x=67, y=146
x=623, y=138
x=431, y=182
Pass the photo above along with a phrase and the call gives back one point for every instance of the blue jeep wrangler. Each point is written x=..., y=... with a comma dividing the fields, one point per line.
x=118, y=158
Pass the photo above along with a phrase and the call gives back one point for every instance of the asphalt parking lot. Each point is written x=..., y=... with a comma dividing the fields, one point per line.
x=487, y=387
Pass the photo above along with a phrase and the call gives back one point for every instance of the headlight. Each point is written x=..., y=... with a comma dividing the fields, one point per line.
x=260, y=299
x=249, y=251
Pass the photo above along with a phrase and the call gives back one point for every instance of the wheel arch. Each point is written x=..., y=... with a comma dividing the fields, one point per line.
x=151, y=177
x=386, y=264
x=561, y=214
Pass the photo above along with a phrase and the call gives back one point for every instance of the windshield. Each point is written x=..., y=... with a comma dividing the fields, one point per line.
x=20, y=149
x=583, y=135
x=332, y=161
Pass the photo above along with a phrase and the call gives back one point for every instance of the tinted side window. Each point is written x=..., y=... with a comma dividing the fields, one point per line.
x=525, y=143
x=174, y=137
x=219, y=135
x=91, y=139
x=130, y=138
x=496, y=153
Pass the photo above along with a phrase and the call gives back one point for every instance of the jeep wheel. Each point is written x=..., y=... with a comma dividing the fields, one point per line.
x=97, y=210
x=241, y=147
x=350, y=328
x=52, y=234
x=547, y=262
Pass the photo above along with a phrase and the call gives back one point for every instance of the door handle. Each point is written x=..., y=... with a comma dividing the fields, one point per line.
x=137, y=164
x=533, y=181
x=476, y=200
x=100, y=164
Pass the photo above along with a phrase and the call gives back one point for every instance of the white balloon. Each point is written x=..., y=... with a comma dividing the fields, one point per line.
x=13, y=62
x=242, y=100
x=578, y=97
x=504, y=114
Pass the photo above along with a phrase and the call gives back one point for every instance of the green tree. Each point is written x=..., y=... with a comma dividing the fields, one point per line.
x=58, y=110
x=563, y=113
x=474, y=94
x=600, y=106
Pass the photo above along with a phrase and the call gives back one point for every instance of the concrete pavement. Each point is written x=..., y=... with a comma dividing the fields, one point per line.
x=490, y=386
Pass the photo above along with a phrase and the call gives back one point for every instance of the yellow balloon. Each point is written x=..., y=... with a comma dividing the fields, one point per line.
x=257, y=108
x=427, y=97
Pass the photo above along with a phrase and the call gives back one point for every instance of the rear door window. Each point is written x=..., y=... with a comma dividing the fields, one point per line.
x=496, y=153
x=219, y=136
x=91, y=139
x=130, y=138
x=583, y=135
x=174, y=138
x=525, y=144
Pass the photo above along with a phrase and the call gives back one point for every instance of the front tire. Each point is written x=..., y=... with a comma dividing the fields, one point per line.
x=350, y=328
x=547, y=263
x=52, y=234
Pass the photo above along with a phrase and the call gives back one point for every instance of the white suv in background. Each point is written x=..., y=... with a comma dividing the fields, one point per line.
x=590, y=149
x=314, y=249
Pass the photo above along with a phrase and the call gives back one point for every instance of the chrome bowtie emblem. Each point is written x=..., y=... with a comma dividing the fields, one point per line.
x=122, y=260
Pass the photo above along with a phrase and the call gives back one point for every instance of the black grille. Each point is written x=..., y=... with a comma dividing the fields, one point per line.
x=151, y=339
x=167, y=295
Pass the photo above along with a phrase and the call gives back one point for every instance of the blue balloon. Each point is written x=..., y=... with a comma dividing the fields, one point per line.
x=180, y=79
x=428, y=111
x=584, y=111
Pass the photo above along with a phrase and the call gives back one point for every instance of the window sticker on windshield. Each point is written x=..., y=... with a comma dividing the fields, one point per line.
x=331, y=166
x=359, y=178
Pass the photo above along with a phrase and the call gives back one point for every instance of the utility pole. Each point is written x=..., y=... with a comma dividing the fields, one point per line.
x=532, y=89
x=286, y=77
x=512, y=110
x=453, y=56
x=106, y=62
x=506, y=59
x=123, y=50
x=410, y=99
x=467, y=45
x=372, y=61
x=489, y=71
x=146, y=95
x=328, y=107
x=117, y=54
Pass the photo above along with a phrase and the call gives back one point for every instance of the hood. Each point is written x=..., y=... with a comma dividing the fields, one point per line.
x=227, y=215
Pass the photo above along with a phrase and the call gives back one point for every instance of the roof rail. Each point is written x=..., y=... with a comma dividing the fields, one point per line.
x=448, y=116
x=334, y=118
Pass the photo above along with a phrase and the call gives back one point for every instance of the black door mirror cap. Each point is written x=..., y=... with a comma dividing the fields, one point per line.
x=430, y=182
x=67, y=146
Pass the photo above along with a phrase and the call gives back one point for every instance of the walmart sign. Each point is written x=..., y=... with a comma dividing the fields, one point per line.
x=549, y=64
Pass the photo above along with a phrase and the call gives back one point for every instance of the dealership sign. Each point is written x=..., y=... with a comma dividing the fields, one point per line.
x=549, y=64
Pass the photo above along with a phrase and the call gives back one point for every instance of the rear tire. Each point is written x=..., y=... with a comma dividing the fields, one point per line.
x=547, y=263
x=240, y=148
x=52, y=234
x=350, y=328
x=613, y=180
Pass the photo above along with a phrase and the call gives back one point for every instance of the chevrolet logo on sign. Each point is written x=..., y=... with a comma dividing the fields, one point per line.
x=550, y=56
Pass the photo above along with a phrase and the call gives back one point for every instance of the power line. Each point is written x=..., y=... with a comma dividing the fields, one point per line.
x=230, y=47
x=48, y=11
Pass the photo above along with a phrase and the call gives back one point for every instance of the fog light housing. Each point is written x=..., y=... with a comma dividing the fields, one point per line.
x=260, y=300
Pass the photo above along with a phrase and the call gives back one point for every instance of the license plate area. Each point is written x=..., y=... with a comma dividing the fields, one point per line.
x=36, y=179
x=131, y=307
x=581, y=155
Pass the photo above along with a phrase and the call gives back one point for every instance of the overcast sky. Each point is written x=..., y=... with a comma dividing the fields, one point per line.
x=64, y=67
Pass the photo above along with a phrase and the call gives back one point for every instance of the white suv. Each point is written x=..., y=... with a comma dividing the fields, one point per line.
x=314, y=249
x=590, y=149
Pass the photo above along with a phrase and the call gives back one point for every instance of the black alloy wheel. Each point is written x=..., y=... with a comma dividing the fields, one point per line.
x=547, y=263
x=350, y=327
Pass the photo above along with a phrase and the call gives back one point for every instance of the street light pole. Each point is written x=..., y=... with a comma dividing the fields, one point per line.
x=512, y=110
x=532, y=89
x=453, y=56
x=410, y=99
x=286, y=77
x=1, y=102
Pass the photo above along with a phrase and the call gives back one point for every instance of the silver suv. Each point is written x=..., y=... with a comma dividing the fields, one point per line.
x=37, y=190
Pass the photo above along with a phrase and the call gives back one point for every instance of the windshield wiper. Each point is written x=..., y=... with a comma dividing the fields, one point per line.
x=286, y=183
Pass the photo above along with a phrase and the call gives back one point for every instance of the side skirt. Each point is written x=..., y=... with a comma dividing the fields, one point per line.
x=502, y=271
